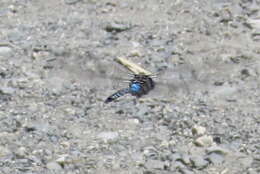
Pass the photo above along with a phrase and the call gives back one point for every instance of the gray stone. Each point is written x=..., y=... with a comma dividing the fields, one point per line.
x=185, y=159
x=217, y=149
x=53, y=166
x=4, y=50
x=198, y=130
x=199, y=162
x=154, y=164
x=108, y=136
x=4, y=151
x=70, y=2
x=204, y=141
x=215, y=158
x=7, y=90
x=117, y=27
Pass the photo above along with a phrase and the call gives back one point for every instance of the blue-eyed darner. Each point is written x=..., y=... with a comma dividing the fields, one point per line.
x=106, y=78
x=140, y=84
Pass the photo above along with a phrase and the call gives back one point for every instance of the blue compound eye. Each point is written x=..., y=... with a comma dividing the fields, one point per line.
x=135, y=87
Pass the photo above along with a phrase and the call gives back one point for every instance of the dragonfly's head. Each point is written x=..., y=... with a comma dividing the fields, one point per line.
x=135, y=87
x=141, y=85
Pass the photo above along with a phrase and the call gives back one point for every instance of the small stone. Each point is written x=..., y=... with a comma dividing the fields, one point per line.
x=53, y=166
x=4, y=151
x=21, y=152
x=198, y=130
x=198, y=162
x=150, y=152
x=204, y=141
x=215, y=158
x=7, y=90
x=4, y=50
x=108, y=136
x=134, y=121
x=217, y=149
x=186, y=171
x=63, y=159
x=117, y=27
x=65, y=144
x=185, y=159
x=70, y=2
x=135, y=53
x=176, y=157
x=154, y=164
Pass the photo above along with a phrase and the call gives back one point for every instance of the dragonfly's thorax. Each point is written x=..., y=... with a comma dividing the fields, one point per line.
x=141, y=85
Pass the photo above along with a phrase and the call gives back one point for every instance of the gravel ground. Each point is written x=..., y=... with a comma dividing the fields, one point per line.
x=56, y=69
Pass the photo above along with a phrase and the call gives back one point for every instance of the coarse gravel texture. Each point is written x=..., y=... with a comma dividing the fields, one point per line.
x=57, y=68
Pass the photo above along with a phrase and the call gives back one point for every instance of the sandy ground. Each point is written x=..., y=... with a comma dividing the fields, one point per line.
x=57, y=68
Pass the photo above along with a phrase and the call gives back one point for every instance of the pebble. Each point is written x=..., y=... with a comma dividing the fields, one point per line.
x=62, y=159
x=117, y=27
x=5, y=50
x=108, y=136
x=53, y=166
x=217, y=149
x=70, y=2
x=186, y=171
x=198, y=130
x=199, y=162
x=21, y=152
x=204, y=141
x=154, y=164
x=7, y=90
x=185, y=159
x=150, y=152
x=215, y=158
x=4, y=151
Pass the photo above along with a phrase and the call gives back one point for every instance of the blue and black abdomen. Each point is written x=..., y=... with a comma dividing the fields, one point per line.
x=138, y=86
x=118, y=94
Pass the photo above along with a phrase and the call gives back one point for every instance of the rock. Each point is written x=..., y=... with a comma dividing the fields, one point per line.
x=185, y=159
x=176, y=156
x=62, y=159
x=216, y=158
x=53, y=166
x=4, y=151
x=204, y=141
x=70, y=2
x=154, y=164
x=186, y=171
x=21, y=152
x=108, y=136
x=199, y=162
x=4, y=50
x=7, y=90
x=198, y=130
x=217, y=149
x=150, y=152
x=117, y=27
x=135, y=53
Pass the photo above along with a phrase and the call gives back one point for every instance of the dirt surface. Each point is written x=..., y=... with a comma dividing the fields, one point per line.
x=57, y=68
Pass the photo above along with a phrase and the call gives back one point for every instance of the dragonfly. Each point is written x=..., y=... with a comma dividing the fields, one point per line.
x=104, y=76
x=142, y=81
x=138, y=86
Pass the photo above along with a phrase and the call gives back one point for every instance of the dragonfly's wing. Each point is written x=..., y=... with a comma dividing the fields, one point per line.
x=104, y=76
x=174, y=82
